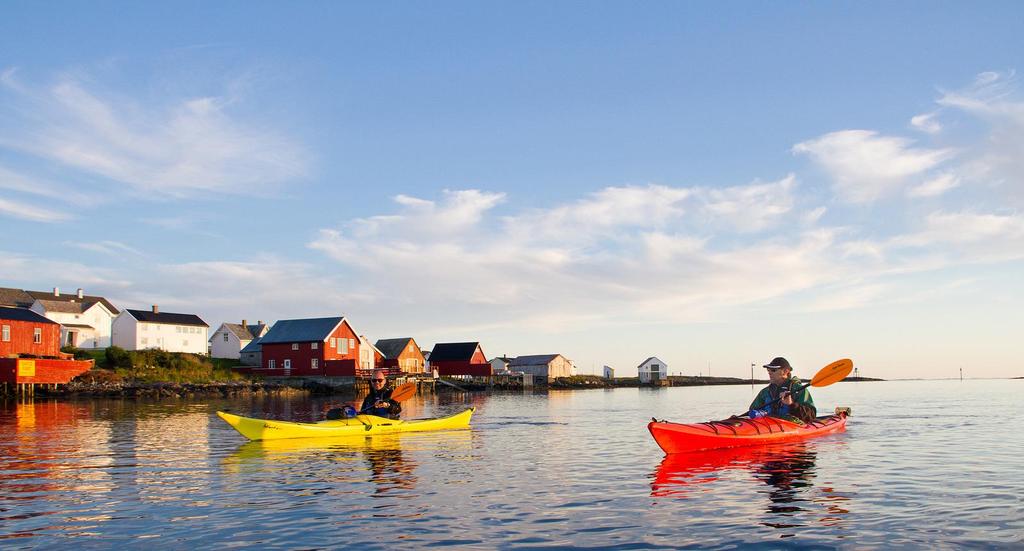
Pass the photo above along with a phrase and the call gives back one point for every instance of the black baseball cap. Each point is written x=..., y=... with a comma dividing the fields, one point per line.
x=778, y=363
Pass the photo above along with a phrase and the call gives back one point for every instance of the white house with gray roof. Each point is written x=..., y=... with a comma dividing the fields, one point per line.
x=86, y=321
x=543, y=365
x=230, y=338
x=173, y=332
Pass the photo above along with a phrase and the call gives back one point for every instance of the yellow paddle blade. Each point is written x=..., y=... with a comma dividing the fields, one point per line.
x=833, y=372
x=403, y=392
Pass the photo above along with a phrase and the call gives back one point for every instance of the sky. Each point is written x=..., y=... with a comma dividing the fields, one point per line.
x=710, y=184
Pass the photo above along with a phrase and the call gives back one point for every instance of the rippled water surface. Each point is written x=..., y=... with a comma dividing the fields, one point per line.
x=922, y=464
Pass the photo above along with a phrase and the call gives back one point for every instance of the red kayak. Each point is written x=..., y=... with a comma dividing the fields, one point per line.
x=740, y=431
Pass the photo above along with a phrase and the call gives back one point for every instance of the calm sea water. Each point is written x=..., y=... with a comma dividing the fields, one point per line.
x=923, y=464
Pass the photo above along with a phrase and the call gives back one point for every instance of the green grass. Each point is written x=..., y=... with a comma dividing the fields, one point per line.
x=159, y=366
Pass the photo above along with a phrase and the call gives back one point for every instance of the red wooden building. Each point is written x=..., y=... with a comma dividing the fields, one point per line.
x=24, y=332
x=325, y=347
x=401, y=355
x=30, y=350
x=460, y=358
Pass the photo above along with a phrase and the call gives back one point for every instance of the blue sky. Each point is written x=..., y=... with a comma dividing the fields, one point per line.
x=713, y=185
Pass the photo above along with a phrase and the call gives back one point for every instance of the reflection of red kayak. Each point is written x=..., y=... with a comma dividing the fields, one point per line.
x=679, y=471
x=735, y=432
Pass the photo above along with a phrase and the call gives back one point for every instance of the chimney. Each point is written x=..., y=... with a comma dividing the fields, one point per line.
x=259, y=322
x=80, y=293
x=156, y=309
x=245, y=323
x=56, y=291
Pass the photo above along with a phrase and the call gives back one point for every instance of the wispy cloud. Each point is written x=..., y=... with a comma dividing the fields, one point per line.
x=173, y=148
x=26, y=211
x=866, y=166
x=112, y=248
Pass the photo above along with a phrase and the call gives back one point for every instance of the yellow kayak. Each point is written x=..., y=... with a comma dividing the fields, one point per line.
x=360, y=425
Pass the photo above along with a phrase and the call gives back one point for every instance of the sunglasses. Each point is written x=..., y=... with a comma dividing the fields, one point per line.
x=379, y=380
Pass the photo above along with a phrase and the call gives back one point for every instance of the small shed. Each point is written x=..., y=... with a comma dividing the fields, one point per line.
x=609, y=373
x=550, y=366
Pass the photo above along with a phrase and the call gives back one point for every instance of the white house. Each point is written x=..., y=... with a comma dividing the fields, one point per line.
x=141, y=329
x=230, y=338
x=85, y=320
x=368, y=353
x=609, y=373
x=652, y=369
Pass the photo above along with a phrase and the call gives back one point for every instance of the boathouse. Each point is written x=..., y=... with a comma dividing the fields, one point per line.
x=402, y=354
x=459, y=358
x=652, y=371
x=543, y=366
x=30, y=350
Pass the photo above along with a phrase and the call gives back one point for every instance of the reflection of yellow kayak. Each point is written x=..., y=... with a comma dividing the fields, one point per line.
x=360, y=425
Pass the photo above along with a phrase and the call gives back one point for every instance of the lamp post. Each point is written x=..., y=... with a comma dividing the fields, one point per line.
x=752, y=364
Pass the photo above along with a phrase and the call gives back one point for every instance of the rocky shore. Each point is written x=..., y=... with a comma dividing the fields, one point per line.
x=166, y=390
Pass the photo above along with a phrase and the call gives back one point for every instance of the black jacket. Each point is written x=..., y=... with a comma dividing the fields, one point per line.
x=383, y=395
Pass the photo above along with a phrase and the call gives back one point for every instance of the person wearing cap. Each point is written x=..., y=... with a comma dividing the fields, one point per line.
x=778, y=400
x=378, y=402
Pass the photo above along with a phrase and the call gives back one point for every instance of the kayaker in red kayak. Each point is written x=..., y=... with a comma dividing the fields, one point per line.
x=776, y=399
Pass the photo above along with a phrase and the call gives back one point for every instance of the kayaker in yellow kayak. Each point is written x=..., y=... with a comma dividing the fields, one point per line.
x=378, y=402
x=777, y=400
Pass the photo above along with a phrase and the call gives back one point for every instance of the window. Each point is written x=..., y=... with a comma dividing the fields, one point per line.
x=334, y=342
x=314, y=363
x=295, y=346
x=225, y=337
x=270, y=364
x=177, y=329
x=313, y=346
x=342, y=346
x=352, y=344
x=144, y=326
x=6, y=334
x=37, y=335
x=184, y=342
x=287, y=364
x=144, y=341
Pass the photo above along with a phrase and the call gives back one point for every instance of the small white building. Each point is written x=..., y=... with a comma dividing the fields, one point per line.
x=609, y=373
x=499, y=365
x=85, y=320
x=230, y=338
x=652, y=370
x=368, y=353
x=142, y=329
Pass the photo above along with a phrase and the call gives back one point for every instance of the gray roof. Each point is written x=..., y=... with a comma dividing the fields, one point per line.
x=15, y=297
x=303, y=330
x=169, y=318
x=87, y=300
x=453, y=351
x=392, y=348
x=78, y=326
x=62, y=307
x=245, y=332
x=537, y=359
x=23, y=314
x=649, y=359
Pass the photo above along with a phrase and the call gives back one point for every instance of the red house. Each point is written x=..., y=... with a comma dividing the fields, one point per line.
x=460, y=358
x=325, y=347
x=30, y=350
x=24, y=332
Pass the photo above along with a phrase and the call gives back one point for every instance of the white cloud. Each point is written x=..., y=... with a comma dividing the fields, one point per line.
x=112, y=248
x=752, y=207
x=926, y=123
x=866, y=166
x=192, y=147
x=29, y=185
x=32, y=213
x=935, y=186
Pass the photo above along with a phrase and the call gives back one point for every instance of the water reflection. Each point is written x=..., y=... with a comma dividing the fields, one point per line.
x=787, y=470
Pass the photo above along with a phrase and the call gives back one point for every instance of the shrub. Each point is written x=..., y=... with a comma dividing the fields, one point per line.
x=118, y=357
